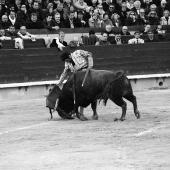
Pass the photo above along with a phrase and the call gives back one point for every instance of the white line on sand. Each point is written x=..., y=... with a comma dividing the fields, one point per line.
x=150, y=130
x=23, y=128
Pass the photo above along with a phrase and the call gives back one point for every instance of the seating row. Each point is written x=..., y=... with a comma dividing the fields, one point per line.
x=39, y=43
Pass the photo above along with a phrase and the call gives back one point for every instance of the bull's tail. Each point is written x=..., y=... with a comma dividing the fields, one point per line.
x=109, y=87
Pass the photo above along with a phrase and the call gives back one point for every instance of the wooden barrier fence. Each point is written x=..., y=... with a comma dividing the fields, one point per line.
x=43, y=64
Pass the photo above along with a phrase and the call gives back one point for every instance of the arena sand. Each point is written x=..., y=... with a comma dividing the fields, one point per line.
x=29, y=141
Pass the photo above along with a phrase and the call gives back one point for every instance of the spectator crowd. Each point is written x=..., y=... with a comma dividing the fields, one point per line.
x=56, y=14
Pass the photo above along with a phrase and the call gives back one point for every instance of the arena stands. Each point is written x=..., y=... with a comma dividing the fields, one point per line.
x=82, y=22
x=46, y=18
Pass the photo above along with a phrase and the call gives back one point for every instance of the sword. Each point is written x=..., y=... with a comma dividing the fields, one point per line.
x=87, y=71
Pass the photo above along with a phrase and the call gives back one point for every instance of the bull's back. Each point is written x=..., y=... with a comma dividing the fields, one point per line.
x=95, y=77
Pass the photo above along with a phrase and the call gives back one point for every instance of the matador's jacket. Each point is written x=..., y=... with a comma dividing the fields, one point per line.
x=80, y=60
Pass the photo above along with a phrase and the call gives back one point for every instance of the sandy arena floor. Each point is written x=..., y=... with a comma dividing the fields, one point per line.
x=28, y=141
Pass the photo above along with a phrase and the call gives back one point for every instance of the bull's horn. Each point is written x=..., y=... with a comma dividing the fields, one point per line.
x=62, y=114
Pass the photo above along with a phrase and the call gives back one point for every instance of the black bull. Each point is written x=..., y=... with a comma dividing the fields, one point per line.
x=100, y=84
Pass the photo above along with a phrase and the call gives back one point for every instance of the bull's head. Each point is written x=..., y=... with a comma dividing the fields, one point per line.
x=55, y=94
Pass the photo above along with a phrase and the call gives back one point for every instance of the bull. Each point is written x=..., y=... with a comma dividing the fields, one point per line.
x=99, y=85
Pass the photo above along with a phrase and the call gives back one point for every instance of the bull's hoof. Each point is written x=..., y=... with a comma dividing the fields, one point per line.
x=116, y=119
x=83, y=118
x=137, y=115
x=95, y=117
x=122, y=119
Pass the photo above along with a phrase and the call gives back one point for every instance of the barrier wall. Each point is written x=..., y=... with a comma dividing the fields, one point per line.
x=31, y=65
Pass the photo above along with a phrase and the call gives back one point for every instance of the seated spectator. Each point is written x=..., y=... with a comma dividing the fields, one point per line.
x=106, y=21
x=58, y=22
x=49, y=9
x=36, y=9
x=146, y=5
x=165, y=20
x=22, y=33
x=94, y=21
x=162, y=8
x=93, y=3
x=137, y=7
x=142, y=18
x=66, y=6
x=123, y=13
x=109, y=30
x=28, y=4
x=22, y=14
x=161, y=33
x=17, y=5
x=103, y=39
x=3, y=10
x=106, y=4
x=12, y=20
x=92, y=38
x=80, y=18
x=153, y=18
x=151, y=37
x=59, y=42
x=40, y=3
x=71, y=21
x=89, y=12
x=4, y=22
x=125, y=31
x=153, y=8
x=118, y=5
x=3, y=36
x=33, y=23
x=131, y=19
x=10, y=8
x=85, y=40
x=71, y=9
x=78, y=42
x=159, y=30
x=55, y=3
x=75, y=43
x=80, y=5
x=111, y=10
x=99, y=10
x=130, y=5
x=48, y=23
x=117, y=39
x=13, y=34
x=115, y=18
x=137, y=39
x=146, y=29
x=60, y=10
